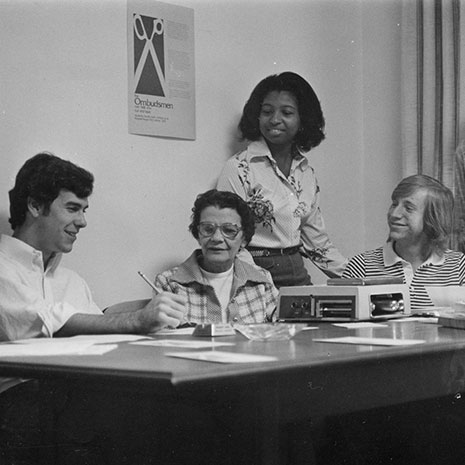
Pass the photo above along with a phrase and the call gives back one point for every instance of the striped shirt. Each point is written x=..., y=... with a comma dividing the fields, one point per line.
x=253, y=294
x=440, y=271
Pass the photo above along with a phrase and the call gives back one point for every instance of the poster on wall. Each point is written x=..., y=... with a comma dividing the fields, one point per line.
x=161, y=69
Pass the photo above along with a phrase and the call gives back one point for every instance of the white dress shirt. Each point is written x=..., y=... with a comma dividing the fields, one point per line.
x=36, y=302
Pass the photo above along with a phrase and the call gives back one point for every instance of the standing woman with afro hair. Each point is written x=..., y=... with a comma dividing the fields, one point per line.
x=283, y=121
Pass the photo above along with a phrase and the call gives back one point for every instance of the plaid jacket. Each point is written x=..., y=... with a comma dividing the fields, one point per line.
x=253, y=294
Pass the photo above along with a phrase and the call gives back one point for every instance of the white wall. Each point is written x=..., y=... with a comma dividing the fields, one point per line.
x=64, y=89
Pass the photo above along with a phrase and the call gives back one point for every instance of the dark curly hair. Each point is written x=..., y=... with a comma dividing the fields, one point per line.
x=223, y=199
x=42, y=178
x=312, y=123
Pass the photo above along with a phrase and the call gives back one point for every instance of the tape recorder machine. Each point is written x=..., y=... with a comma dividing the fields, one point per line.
x=345, y=300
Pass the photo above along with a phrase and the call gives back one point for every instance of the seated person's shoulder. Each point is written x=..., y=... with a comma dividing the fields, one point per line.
x=245, y=256
x=166, y=275
x=367, y=254
x=356, y=266
x=253, y=269
x=455, y=255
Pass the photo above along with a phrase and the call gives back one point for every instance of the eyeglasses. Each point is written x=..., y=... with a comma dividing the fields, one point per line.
x=228, y=230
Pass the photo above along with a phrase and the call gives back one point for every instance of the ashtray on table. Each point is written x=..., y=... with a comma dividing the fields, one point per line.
x=270, y=331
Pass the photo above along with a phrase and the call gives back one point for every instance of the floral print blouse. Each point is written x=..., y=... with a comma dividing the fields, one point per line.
x=286, y=209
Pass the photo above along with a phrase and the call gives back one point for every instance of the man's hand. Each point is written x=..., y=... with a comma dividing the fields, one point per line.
x=165, y=309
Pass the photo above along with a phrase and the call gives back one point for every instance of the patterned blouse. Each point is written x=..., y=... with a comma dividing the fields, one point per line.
x=287, y=210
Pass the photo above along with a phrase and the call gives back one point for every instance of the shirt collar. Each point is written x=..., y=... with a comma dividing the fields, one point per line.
x=390, y=257
x=259, y=150
x=25, y=254
x=190, y=271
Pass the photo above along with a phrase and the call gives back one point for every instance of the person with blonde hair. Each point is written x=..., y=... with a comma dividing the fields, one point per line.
x=420, y=220
x=420, y=224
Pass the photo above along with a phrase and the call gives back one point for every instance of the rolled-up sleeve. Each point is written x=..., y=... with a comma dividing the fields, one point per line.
x=316, y=242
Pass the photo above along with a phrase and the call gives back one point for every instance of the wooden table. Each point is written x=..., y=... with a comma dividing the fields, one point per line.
x=309, y=379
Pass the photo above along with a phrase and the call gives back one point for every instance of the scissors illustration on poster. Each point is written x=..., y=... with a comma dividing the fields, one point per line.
x=161, y=92
x=148, y=80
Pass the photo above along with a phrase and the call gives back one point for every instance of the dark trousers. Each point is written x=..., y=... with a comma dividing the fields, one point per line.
x=286, y=270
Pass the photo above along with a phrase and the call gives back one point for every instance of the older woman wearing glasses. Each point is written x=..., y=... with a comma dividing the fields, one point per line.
x=218, y=286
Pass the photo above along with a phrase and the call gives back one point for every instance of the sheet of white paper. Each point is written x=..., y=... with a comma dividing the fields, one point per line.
x=421, y=319
x=372, y=341
x=360, y=324
x=446, y=296
x=431, y=311
x=46, y=341
x=108, y=338
x=174, y=332
x=222, y=357
x=41, y=347
x=99, y=349
x=182, y=343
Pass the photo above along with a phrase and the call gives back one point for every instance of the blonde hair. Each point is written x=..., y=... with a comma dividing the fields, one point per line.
x=438, y=214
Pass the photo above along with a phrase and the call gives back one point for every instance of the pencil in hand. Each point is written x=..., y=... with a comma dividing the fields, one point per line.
x=147, y=280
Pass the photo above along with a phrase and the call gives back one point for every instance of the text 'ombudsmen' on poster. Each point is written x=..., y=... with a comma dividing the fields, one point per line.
x=161, y=69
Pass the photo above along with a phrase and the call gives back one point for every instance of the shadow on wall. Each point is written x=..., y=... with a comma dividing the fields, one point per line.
x=236, y=144
x=5, y=227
